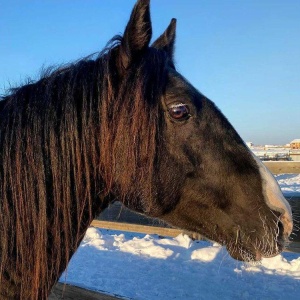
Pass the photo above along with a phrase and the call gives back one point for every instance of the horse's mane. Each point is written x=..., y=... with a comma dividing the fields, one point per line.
x=69, y=141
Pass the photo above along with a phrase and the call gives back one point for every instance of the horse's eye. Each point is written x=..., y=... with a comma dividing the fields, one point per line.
x=179, y=111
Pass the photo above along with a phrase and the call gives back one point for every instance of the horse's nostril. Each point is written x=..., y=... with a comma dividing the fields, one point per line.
x=280, y=229
x=281, y=236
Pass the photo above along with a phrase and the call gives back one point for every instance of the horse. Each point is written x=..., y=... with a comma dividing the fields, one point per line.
x=124, y=125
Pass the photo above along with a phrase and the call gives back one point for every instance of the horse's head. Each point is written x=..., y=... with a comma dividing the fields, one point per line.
x=203, y=177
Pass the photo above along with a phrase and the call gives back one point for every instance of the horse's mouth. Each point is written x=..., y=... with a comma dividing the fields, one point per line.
x=252, y=248
x=253, y=254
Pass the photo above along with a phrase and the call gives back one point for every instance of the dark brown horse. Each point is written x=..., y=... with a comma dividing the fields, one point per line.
x=124, y=125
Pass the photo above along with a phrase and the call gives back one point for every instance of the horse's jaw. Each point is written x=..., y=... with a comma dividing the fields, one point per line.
x=249, y=233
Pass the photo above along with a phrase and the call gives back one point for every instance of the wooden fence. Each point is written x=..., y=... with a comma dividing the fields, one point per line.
x=283, y=167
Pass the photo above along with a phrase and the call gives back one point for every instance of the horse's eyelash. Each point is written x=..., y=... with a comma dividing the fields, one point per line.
x=177, y=105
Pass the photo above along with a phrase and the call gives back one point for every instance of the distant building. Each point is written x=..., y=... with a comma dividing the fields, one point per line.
x=269, y=147
x=295, y=144
x=249, y=144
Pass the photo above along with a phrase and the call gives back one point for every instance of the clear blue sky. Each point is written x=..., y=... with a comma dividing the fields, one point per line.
x=244, y=55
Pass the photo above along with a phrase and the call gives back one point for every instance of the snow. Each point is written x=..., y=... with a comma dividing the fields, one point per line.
x=137, y=266
x=289, y=184
x=148, y=267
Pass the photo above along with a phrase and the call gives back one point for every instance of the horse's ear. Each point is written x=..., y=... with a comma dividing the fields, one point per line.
x=166, y=41
x=137, y=34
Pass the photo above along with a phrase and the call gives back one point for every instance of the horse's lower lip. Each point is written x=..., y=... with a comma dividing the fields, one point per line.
x=269, y=255
x=251, y=254
x=258, y=256
x=279, y=249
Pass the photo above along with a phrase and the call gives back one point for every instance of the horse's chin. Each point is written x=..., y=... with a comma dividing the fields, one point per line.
x=243, y=254
x=251, y=254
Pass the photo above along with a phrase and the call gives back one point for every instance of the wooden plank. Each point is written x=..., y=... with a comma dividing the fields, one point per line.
x=282, y=167
x=172, y=232
x=70, y=292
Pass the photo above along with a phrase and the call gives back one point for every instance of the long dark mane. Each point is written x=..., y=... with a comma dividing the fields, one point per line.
x=66, y=146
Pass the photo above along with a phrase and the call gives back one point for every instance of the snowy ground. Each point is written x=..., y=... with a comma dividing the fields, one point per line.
x=289, y=184
x=136, y=266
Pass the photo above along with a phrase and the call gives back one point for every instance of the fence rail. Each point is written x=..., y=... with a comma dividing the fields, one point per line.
x=117, y=217
x=282, y=167
x=145, y=229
